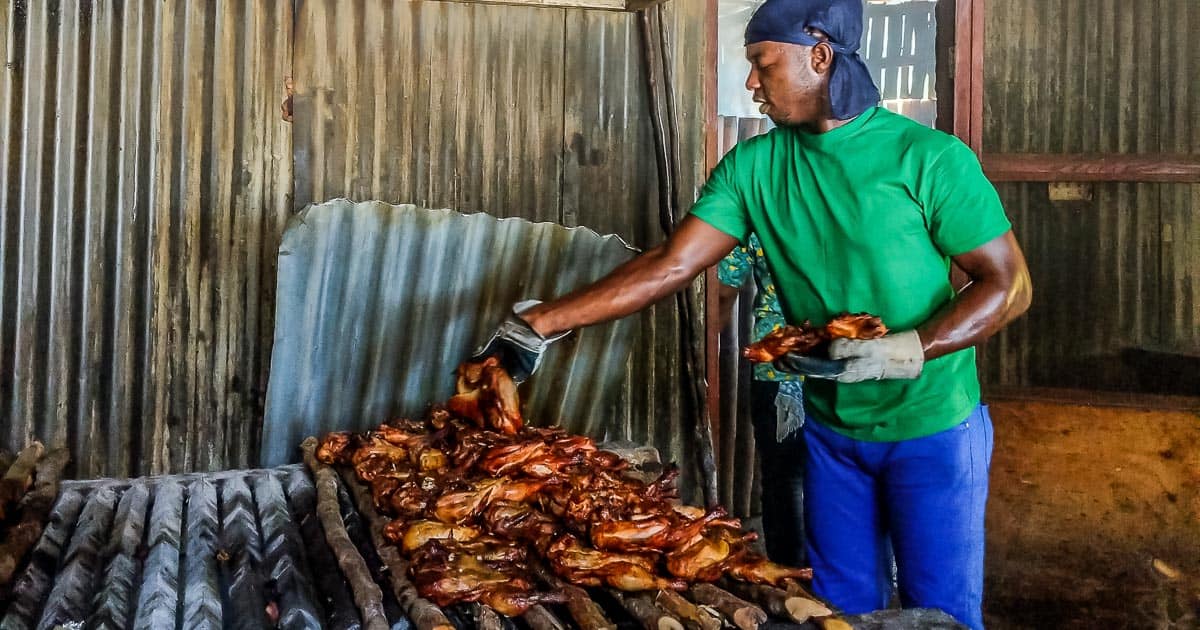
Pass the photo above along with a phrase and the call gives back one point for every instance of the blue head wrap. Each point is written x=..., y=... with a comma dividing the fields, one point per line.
x=851, y=90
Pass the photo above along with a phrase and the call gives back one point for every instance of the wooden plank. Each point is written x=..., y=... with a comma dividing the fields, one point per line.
x=962, y=68
x=977, y=67
x=1041, y=167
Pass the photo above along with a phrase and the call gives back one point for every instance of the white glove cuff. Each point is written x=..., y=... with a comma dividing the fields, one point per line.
x=907, y=356
x=515, y=329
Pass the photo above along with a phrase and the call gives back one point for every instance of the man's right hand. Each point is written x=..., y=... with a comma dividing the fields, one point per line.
x=518, y=346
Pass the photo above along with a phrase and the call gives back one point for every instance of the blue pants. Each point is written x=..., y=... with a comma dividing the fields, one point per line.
x=928, y=494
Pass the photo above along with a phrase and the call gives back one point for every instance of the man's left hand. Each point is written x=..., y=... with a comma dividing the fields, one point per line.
x=894, y=356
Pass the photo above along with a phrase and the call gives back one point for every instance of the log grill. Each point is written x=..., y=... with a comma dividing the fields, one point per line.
x=247, y=549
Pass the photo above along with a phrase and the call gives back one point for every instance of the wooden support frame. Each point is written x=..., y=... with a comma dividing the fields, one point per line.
x=712, y=302
x=1141, y=167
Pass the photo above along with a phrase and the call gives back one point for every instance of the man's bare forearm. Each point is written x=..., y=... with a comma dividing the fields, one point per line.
x=999, y=292
x=637, y=284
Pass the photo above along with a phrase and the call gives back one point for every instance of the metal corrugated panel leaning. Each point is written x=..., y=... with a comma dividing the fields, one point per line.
x=377, y=305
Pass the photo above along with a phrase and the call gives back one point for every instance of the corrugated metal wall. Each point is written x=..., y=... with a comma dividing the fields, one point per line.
x=536, y=113
x=145, y=178
x=1122, y=270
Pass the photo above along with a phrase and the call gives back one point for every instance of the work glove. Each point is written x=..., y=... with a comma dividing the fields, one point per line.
x=518, y=346
x=894, y=356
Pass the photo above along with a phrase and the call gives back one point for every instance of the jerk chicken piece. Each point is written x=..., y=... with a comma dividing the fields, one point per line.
x=336, y=448
x=801, y=339
x=459, y=507
x=534, y=459
x=856, y=326
x=414, y=535
x=706, y=556
x=514, y=602
x=807, y=338
x=521, y=521
x=757, y=569
x=655, y=532
x=484, y=547
x=447, y=573
x=588, y=567
x=487, y=396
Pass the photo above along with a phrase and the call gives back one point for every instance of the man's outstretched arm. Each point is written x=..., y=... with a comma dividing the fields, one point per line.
x=637, y=284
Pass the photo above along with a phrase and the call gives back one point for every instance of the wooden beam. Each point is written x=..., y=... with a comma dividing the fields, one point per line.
x=712, y=302
x=1040, y=167
x=977, y=70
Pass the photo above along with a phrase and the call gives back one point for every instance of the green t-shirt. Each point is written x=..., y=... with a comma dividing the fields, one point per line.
x=864, y=218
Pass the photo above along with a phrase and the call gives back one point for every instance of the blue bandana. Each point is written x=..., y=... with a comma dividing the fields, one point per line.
x=851, y=90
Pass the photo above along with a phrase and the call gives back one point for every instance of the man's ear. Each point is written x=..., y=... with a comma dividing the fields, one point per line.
x=821, y=58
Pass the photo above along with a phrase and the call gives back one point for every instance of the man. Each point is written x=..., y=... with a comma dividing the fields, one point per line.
x=776, y=408
x=858, y=209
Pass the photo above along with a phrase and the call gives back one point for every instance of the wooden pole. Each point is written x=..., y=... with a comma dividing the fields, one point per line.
x=641, y=607
x=693, y=616
x=424, y=614
x=367, y=594
x=742, y=613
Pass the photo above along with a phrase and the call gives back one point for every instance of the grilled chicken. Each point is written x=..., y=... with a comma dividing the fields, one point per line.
x=807, y=338
x=415, y=535
x=856, y=326
x=477, y=497
x=625, y=571
x=459, y=507
x=706, y=556
x=757, y=569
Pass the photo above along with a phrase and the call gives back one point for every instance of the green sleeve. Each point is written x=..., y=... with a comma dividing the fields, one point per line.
x=720, y=204
x=962, y=206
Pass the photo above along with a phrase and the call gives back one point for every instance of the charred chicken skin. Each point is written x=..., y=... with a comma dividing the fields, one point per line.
x=477, y=498
x=807, y=338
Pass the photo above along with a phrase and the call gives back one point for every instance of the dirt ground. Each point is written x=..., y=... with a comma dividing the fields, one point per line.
x=1094, y=518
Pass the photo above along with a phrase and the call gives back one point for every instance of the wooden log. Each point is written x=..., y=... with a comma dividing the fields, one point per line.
x=539, y=618
x=35, y=509
x=367, y=594
x=779, y=602
x=587, y=614
x=692, y=616
x=424, y=614
x=742, y=613
x=19, y=477
x=641, y=607
x=827, y=622
x=340, y=611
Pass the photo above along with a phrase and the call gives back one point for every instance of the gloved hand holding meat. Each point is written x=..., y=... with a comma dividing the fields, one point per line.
x=858, y=347
x=481, y=502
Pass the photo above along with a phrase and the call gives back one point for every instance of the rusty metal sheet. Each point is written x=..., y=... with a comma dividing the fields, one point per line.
x=145, y=179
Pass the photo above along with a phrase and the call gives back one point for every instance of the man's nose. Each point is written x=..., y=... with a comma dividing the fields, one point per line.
x=752, y=79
